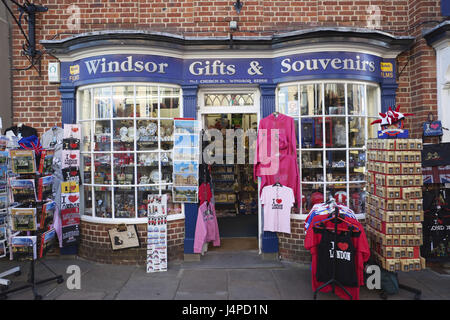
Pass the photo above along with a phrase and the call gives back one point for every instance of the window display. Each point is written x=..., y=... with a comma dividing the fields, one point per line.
x=333, y=118
x=126, y=147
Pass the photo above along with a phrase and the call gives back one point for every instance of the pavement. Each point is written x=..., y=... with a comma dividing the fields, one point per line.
x=218, y=276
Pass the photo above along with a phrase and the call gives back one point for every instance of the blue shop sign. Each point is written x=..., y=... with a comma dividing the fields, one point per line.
x=154, y=68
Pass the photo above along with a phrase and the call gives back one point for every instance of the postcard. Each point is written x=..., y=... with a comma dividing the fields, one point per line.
x=23, y=190
x=3, y=201
x=186, y=154
x=185, y=194
x=47, y=240
x=47, y=214
x=2, y=248
x=46, y=162
x=24, y=247
x=184, y=126
x=185, y=179
x=45, y=188
x=23, y=219
x=186, y=141
x=2, y=233
x=185, y=166
x=23, y=161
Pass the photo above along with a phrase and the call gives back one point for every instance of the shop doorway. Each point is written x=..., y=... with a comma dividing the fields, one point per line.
x=235, y=191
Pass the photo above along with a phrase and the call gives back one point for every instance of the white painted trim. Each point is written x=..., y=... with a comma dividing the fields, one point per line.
x=230, y=54
x=170, y=217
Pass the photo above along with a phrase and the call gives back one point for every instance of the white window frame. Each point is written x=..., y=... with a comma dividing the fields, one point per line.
x=111, y=152
x=324, y=148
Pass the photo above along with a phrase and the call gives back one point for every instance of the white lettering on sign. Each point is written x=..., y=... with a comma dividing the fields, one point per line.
x=128, y=65
x=287, y=65
x=217, y=67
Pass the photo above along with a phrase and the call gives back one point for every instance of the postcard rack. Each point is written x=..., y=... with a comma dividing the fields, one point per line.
x=22, y=215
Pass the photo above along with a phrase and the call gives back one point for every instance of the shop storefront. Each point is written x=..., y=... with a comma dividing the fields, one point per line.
x=126, y=88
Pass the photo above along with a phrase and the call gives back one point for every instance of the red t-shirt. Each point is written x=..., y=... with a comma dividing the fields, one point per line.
x=361, y=245
x=204, y=193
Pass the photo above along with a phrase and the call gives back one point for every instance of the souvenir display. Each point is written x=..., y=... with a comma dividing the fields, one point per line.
x=157, y=233
x=69, y=201
x=186, y=150
x=394, y=203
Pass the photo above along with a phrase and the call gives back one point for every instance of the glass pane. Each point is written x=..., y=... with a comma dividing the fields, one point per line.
x=102, y=102
x=86, y=136
x=170, y=103
x=317, y=135
x=338, y=192
x=313, y=194
x=85, y=104
x=124, y=202
x=172, y=208
x=228, y=100
x=338, y=138
x=102, y=168
x=357, y=131
x=146, y=102
x=87, y=174
x=288, y=100
x=87, y=201
x=148, y=167
x=336, y=166
x=102, y=201
x=335, y=98
x=357, y=163
x=123, y=168
x=166, y=134
x=147, y=135
x=373, y=105
x=123, y=102
x=166, y=167
x=357, y=198
x=123, y=135
x=311, y=133
x=311, y=99
x=312, y=166
x=102, y=136
x=356, y=96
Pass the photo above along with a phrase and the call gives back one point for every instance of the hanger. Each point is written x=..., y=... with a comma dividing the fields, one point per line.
x=277, y=184
x=275, y=113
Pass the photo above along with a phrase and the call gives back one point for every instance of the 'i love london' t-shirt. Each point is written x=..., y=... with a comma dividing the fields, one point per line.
x=277, y=201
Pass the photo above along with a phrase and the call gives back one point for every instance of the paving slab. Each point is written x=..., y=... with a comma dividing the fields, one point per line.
x=293, y=283
x=204, y=281
x=252, y=284
x=232, y=260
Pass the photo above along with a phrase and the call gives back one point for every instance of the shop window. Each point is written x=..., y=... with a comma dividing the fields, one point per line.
x=127, y=142
x=334, y=126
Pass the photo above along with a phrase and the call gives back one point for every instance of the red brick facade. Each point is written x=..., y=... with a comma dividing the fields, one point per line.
x=38, y=103
x=95, y=244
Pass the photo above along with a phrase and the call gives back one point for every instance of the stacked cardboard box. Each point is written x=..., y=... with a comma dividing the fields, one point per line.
x=394, y=203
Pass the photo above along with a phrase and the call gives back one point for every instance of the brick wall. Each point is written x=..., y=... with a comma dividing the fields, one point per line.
x=95, y=244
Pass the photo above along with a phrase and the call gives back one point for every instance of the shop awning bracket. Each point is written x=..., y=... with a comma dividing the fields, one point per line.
x=29, y=48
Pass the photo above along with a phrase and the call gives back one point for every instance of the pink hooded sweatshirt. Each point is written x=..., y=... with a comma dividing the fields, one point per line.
x=206, y=229
x=281, y=167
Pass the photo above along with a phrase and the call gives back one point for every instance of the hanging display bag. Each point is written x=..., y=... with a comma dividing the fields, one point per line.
x=123, y=237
